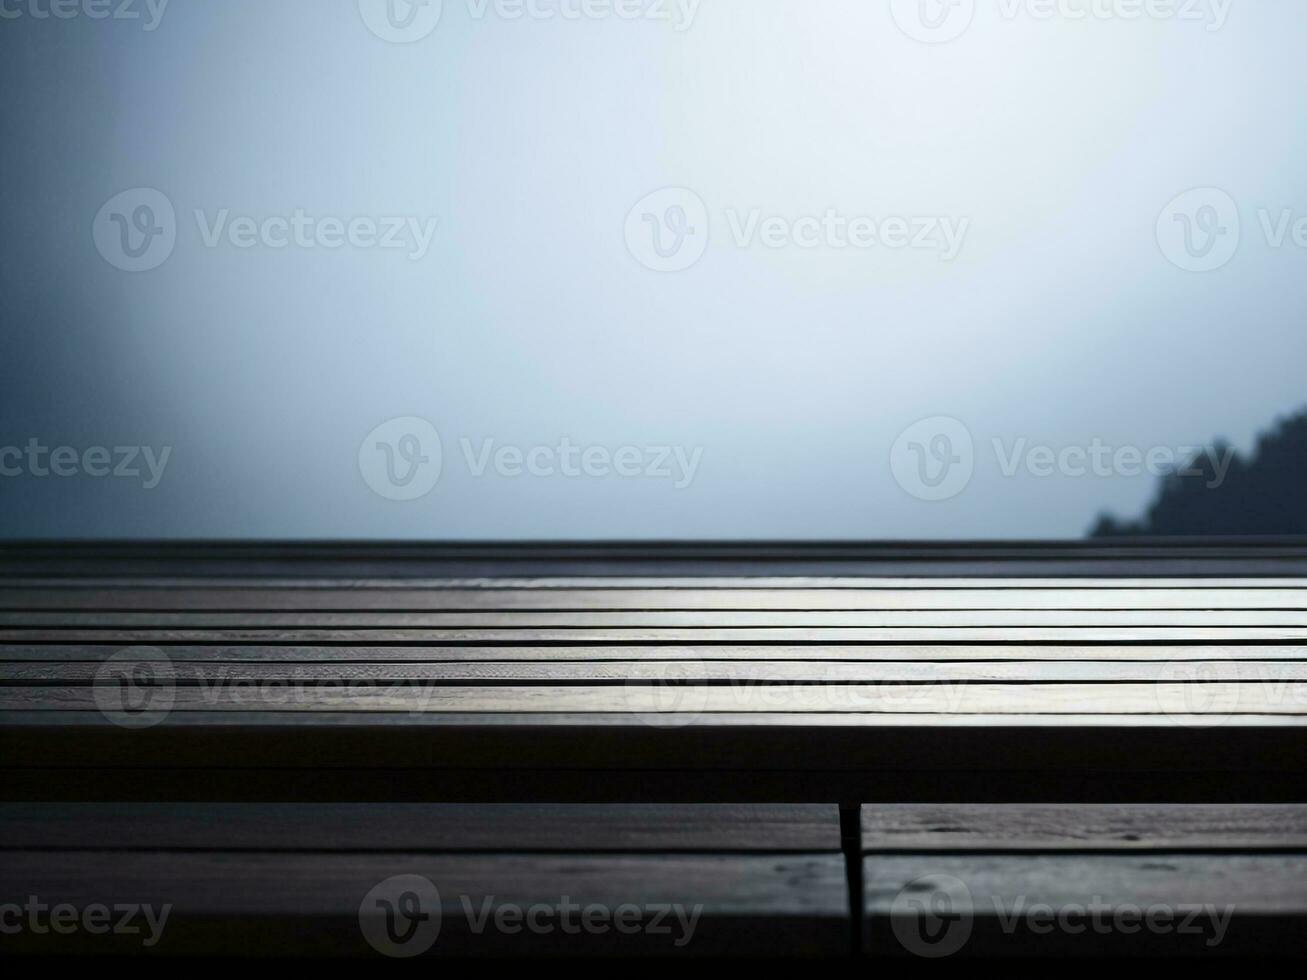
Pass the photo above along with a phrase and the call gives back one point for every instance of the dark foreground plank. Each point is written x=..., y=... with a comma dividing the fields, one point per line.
x=1040, y=905
x=1012, y=827
x=418, y=827
x=280, y=904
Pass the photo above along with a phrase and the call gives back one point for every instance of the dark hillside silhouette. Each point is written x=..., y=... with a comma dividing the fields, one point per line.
x=1262, y=494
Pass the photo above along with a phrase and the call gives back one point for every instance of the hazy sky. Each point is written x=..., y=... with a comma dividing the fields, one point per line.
x=694, y=270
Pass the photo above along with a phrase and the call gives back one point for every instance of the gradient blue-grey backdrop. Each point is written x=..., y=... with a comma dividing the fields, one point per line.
x=529, y=319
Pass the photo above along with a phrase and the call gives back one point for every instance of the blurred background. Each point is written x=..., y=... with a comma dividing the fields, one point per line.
x=652, y=269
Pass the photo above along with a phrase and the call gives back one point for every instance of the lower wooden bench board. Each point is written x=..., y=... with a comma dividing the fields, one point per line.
x=419, y=827
x=890, y=828
x=1097, y=879
x=279, y=903
x=1049, y=904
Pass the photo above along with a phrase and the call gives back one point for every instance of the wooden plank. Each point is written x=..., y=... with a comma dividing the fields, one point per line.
x=299, y=903
x=965, y=653
x=890, y=828
x=250, y=585
x=657, y=620
x=1219, y=699
x=598, y=597
x=600, y=635
x=56, y=621
x=1048, y=904
x=593, y=653
x=662, y=671
x=419, y=827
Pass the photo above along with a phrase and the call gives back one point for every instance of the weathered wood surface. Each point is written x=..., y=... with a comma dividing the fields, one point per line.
x=415, y=828
x=282, y=903
x=1119, y=904
x=596, y=596
x=779, y=677
x=890, y=828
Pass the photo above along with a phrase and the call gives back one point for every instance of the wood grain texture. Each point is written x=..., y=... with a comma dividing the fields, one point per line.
x=1050, y=904
x=295, y=903
x=899, y=595
x=415, y=828
x=670, y=671
x=680, y=635
x=648, y=700
x=598, y=653
x=724, y=619
x=1017, y=827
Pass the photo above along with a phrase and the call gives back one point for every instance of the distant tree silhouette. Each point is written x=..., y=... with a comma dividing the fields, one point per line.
x=1263, y=494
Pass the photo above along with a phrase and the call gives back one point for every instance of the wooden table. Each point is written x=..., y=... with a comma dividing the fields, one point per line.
x=673, y=685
